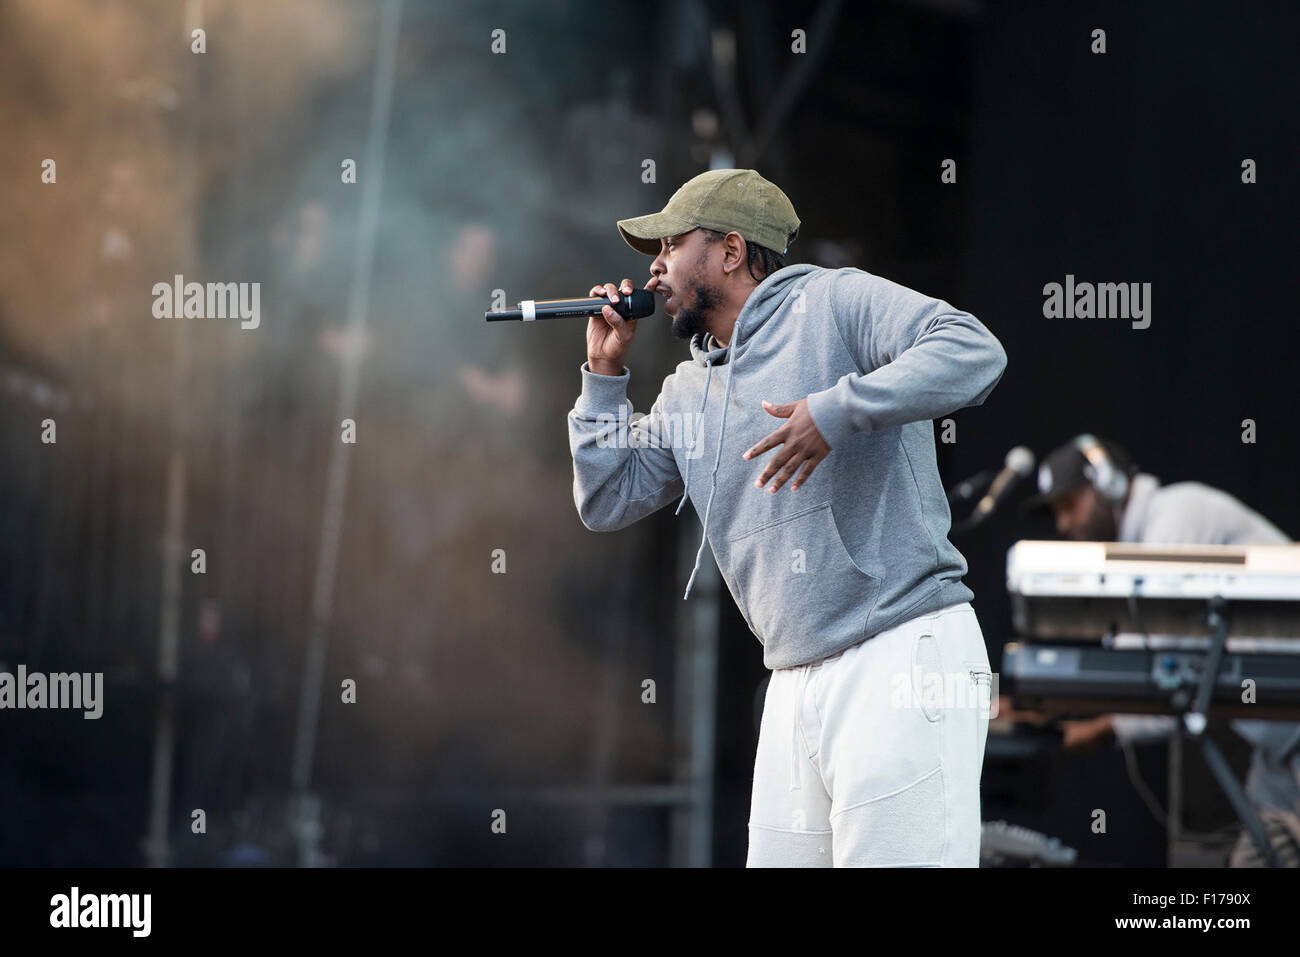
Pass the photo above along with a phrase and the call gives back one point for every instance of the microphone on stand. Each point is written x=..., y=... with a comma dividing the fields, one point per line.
x=1019, y=463
x=633, y=305
x=968, y=489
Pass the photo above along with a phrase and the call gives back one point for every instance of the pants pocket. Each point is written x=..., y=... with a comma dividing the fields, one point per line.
x=983, y=688
x=930, y=686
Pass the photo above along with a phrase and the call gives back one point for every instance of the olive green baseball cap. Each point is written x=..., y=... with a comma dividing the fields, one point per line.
x=722, y=200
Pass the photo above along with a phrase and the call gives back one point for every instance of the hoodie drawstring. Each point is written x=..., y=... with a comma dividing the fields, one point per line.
x=722, y=434
x=713, y=485
x=695, y=436
x=765, y=287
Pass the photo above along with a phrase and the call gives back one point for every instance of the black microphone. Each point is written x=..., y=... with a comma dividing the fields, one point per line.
x=634, y=305
x=1019, y=463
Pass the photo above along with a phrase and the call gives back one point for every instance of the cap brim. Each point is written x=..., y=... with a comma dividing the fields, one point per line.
x=1043, y=502
x=1037, y=504
x=643, y=233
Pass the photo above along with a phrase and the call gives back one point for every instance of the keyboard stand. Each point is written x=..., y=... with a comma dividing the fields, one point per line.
x=1194, y=723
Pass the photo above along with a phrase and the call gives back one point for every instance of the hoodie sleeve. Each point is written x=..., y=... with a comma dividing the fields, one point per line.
x=623, y=470
x=922, y=358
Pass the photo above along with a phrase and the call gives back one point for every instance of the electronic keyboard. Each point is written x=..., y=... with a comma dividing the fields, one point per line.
x=1084, y=591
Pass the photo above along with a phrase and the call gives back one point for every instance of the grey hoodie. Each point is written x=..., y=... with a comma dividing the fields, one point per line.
x=863, y=544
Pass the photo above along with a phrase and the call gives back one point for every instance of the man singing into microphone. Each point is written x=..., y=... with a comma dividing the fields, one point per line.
x=875, y=720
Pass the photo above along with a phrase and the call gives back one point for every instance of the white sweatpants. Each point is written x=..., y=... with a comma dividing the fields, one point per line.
x=872, y=757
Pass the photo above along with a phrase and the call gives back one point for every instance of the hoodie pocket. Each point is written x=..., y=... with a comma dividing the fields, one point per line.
x=796, y=580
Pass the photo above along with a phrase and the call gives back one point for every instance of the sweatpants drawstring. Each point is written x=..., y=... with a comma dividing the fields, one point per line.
x=796, y=775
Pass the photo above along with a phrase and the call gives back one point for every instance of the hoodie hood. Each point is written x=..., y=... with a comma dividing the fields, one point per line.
x=706, y=348
x=758, y=309
x=707, y=351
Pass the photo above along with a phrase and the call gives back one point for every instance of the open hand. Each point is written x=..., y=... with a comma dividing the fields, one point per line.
x=801, y=445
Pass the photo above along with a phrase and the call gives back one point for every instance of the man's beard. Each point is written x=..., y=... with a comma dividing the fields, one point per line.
x=692, y=319
x=1099, y=527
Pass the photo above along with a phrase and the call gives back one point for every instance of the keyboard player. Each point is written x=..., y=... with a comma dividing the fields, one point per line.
x=1096, y=493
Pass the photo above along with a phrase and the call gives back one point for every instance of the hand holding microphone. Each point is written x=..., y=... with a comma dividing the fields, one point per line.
x=609, y=335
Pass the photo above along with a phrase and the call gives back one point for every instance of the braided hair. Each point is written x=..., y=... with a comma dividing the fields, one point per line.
x=769, y=261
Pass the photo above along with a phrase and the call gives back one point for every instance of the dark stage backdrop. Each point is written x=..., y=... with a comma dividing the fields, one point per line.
x=1122, y=167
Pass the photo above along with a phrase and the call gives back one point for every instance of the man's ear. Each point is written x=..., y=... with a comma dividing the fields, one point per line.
x=734, y=246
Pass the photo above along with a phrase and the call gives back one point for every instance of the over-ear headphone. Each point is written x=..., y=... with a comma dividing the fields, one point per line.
x=1103, y=472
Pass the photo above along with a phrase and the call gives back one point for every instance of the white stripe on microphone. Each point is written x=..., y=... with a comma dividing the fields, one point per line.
x=529, y=306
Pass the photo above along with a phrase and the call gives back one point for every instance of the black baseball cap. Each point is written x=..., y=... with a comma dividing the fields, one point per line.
x=1067, y=467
